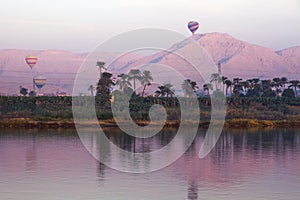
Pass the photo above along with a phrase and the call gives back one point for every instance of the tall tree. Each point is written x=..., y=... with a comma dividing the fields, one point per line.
x=256, y=80
x=266, y=85
x=146, y=79
x=123, y=83
x=134, y=74
x=101, y=64
x=104, y=86
x=216, y=79
x=284, y=81
x=161, y=91
x=189, y=87
x=254, y=88
x=245, y=86
x=277, y=83
x=91, y=88
x=228, y=84
x=207, y=87
x=288, y=93
x=169, y=89
x=294, y=84
x=224, y=78
x=237, y=86
x=267, y=88
x=165, y=90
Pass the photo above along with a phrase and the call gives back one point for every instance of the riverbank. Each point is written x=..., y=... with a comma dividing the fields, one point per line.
x=232, y=123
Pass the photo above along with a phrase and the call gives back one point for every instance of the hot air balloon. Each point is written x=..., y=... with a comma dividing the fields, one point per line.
x=39, y=81
x=193, y=26
x=31, y=61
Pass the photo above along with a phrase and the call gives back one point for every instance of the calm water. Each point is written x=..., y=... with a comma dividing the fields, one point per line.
x=246, y=164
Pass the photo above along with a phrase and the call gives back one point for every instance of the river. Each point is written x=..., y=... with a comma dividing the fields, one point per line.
x=245, y=164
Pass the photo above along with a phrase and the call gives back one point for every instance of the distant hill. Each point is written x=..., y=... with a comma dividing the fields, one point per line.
x=238, y=59
x=245, y=60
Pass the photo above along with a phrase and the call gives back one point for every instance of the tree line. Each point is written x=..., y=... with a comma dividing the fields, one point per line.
x=236, y=87
x=251, y=98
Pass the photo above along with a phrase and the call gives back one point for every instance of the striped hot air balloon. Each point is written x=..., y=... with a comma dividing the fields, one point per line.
x=31, y=61
x=193, y=26
x=39, y=81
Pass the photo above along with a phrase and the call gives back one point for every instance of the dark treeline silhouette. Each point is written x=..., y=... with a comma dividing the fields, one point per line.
x=252, y=98
x=236, y=87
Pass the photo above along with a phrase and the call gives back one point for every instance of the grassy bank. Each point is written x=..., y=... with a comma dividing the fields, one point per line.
x=234, y=123
x=56, y=112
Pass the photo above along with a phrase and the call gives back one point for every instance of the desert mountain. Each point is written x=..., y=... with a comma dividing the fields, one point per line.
x=237, y=58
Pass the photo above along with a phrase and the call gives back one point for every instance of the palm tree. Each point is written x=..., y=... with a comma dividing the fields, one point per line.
x=237, y=80
x=253, y=82
x=266, y=84
x=256, y=80
x=161, y=91
x=146, y=80
x=134, y=74
x=91, y=88
x=284, y=81
x=169, y=89
x=237, y=86
x=101, y=64
x=277, y=83
x=215, y=78
x=245, y=86
x=228, y=84
x=254, y=87
x=295, y=84
x=104, y=86
x=189, y=87
x=207, y=87
x=123, y=82
x=165, y=90
x=224, y=78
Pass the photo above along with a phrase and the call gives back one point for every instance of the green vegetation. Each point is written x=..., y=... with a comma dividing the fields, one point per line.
x=249, y=103
x=60, y=108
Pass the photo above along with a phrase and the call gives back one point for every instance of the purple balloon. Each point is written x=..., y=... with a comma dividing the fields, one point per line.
x=193, y=26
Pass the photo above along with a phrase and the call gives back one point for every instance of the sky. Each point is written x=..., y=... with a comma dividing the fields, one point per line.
x=79, y=26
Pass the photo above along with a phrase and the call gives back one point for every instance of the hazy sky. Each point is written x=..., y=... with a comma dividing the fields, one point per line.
x=82, y=24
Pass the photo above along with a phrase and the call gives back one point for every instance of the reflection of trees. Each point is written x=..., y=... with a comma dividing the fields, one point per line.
x=237, y=154
x=140, y=145
x=193, y=190
x=101, y=171
x=31, y=154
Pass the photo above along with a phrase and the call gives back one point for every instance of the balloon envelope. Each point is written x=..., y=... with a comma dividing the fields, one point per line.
x=193, y=26
x=31, y=61
x=39, y=81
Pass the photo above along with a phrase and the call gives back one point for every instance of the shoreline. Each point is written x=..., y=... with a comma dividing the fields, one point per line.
x=67, y=124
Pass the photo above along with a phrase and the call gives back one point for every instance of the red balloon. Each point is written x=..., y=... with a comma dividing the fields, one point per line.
x=31, y=61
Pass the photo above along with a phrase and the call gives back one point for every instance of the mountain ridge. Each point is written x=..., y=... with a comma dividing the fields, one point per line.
x=238, y=59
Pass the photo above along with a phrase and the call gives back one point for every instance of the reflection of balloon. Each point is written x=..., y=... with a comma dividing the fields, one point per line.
x=193, y=26
x=31, y=61
x=39, y=81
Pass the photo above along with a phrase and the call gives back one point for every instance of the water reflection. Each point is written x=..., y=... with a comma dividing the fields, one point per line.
x=31, y=155
x=245, y=164
x=239, y=155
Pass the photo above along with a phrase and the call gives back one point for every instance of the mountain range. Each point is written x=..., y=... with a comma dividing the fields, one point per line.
x=237, y=58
